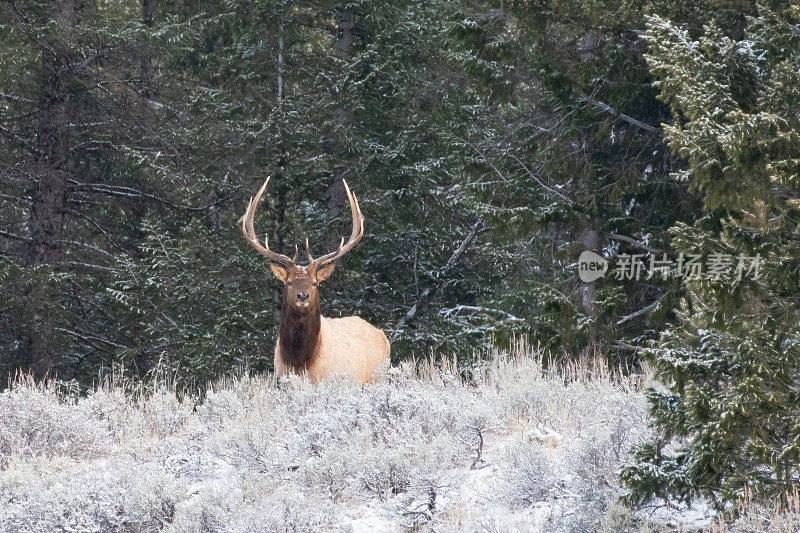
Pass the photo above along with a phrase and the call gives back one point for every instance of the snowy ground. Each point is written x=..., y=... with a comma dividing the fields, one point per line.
x=507, y=450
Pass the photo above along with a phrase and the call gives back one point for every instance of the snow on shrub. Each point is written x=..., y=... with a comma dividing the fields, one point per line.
x=506, y=448
x=34, y=422
x=96, y=495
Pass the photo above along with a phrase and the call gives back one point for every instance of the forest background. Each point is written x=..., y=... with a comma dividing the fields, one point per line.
x=489, y=142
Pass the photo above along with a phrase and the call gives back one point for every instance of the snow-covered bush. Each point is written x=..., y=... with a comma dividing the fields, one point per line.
x=34, y=423
x=98, y=495
x=510, y=448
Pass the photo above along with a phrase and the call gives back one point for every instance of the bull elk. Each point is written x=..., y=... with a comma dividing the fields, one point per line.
x=309, y=343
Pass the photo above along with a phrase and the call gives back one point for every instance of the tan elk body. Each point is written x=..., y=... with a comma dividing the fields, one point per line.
x=308, y=343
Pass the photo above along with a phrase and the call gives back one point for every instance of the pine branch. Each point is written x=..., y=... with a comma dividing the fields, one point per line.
x=537, y=180
x=16, y=137
x=628, y=347
x=9, y=235
x=129, y=192
x=87, y=337
x=16, y=98
x=78, y=265
x=99, y=228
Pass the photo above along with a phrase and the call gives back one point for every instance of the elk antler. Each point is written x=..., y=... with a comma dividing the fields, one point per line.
x=355, y=235
x=250, y=232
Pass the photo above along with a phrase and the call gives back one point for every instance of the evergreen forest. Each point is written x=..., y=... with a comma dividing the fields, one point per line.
x=489, y=143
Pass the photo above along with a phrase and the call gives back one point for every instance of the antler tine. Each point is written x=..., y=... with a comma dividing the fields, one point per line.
x=355, y=235
x=250, y=233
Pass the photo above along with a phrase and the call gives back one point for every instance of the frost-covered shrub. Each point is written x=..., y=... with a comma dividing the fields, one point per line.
x=423, y=450
x=159, y=413
x=34, y=422
x=386, y=473
x=530, y=475
x=286, y=511
x=219, y=407
x=114, y=408
x=767, y=521
x=421, y=504
x=164, y=414
x=257, y=447
x=325, y=426
x=773, y=517
x=331, y=473
x=94, y=496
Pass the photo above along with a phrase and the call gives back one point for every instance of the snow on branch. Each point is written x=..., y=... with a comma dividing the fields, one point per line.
x=622, y=116
x=475, y=310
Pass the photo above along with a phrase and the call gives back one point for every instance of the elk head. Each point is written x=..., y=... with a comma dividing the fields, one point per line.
x=301, y=281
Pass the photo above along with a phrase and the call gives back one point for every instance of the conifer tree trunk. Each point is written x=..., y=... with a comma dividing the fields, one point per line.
x=589, y=238
x=145, y=359
x=148, y=17
x=280, y=196
x=345, y=25
x=51, y=171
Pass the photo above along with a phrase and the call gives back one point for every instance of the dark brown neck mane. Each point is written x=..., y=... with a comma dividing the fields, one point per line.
x=299, y=335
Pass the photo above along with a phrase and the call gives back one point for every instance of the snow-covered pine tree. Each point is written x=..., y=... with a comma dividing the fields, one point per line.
x=727, y=413
x=579, y=162
x=75, y=118
x=269, y=90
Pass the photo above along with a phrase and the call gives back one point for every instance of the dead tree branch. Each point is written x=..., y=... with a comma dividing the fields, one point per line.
x=622, y=116
x=634, y=242
x=638, y=313
x=474, y=310
x=426, y=295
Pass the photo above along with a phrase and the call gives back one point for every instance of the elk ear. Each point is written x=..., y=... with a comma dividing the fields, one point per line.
x=279, y=272
x=325, y=272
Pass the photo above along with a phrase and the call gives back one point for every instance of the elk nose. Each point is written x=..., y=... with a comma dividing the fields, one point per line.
x=302, y=296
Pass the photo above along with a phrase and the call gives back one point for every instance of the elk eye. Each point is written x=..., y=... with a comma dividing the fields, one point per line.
x=315, y=283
